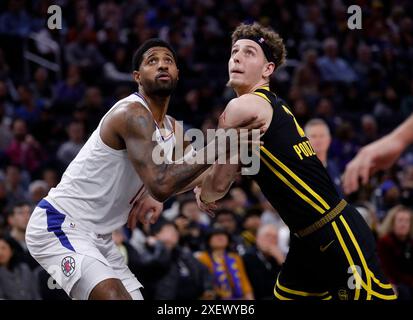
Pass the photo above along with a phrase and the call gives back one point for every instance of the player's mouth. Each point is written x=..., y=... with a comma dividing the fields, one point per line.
x=236, y=71
x=163, y=76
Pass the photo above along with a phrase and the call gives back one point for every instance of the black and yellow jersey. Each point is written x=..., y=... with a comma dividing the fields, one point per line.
x=291, y=176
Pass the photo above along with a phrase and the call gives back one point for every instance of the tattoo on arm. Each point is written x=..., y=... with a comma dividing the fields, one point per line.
x=162, y=180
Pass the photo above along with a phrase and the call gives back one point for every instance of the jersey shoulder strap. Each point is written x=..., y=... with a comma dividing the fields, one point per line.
x=270, y=96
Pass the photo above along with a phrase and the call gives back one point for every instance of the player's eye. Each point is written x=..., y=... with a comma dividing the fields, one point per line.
x=234, y=52
x=169, y=60
x=152, y=61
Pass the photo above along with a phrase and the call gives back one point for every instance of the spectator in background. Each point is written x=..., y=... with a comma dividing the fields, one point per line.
x=251, y=224
x=24, y=150
x=239, y=201
x=15, y=21
x=318, y=132
x=3, y=202
x=332, y=67
x=129, y=253
x=407, y=102
x=369, y=129
x=69, y=92
x=386, y=196
x=395, y=248
x=38, y=189
x=189, y=208
x=51, y=177
x=69, y=149
x=227, y=220
x=17, y=219
x=170, y=272
x=190, y=234
x=14, y=186
x=407, y=184
x=41, y=86
x=263, y=262
x=16, y=278
x=118, y=69
x=5, y=132
x=84, y=53
x=307, y=75
x=30, y=108
x=344, y=146
x=94, y=106
x=230, y=279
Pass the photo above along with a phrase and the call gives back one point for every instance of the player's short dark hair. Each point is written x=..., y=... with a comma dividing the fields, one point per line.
x=154, y=42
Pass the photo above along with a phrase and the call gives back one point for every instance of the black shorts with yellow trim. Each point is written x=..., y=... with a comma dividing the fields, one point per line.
x=338, y=261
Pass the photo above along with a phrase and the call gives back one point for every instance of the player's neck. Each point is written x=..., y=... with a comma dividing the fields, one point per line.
x=248, y=89
x=158, y=106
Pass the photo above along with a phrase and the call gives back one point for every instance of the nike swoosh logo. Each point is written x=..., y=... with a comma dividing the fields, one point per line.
x=324, y=248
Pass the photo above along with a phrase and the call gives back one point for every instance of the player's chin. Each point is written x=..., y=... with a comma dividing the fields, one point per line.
x=234, y=83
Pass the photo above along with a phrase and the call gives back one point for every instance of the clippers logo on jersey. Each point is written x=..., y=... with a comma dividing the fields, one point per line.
x=68, y=266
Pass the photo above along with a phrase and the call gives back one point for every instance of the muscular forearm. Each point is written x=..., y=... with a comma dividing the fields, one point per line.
x=218, y=181
x=178, y=177
x=196, y=182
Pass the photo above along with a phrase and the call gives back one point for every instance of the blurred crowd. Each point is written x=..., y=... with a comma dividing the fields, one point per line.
x=346, y=87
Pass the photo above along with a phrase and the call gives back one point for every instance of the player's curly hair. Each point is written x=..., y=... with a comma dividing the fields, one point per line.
x=272, y=38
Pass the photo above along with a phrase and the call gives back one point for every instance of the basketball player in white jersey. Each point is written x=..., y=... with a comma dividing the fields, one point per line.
x=113, y=176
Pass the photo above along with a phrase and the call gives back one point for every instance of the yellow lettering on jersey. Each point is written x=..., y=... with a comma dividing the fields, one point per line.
x=298, y=151
x=304, y=148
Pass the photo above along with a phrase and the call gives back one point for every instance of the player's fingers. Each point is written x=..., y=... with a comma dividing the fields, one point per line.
x=350, y=180
x=365, y=171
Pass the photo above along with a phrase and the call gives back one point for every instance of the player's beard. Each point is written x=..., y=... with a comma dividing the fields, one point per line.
x=160, y=88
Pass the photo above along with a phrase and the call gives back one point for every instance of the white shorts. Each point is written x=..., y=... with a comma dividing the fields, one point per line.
x=73, y=255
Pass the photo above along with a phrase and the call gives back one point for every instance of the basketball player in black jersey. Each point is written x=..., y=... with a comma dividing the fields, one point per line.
x=332, y=251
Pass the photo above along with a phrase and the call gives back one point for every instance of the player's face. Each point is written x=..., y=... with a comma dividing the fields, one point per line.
x=246, y=65
x=158, y=74
x=319, y=137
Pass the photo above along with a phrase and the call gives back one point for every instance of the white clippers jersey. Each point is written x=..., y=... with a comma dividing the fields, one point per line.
x=97, y=187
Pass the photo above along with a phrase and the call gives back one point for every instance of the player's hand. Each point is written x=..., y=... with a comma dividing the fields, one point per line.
x=146, y=210
x=378, y=155
x=205, y=207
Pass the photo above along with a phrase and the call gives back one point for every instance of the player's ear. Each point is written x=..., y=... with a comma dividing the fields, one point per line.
x=137, y=76
x=269, y=68
x=177, y=74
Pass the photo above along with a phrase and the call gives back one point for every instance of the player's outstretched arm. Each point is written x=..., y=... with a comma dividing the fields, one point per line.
x=161, y=179
x=218, y=181
x=379, y=155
